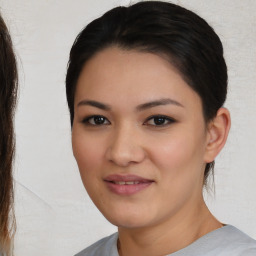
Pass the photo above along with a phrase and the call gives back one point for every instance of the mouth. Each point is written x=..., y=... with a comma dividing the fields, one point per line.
x=127, y=184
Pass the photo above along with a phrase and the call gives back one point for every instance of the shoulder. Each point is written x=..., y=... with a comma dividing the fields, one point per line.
x=237, y=242
x=231, y=241
x=224, y=241
x=105, y=246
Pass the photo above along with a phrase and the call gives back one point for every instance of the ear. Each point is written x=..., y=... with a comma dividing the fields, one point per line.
x=217, y=133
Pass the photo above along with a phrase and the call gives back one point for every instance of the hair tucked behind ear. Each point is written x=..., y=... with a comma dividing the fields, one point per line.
x=8, y=94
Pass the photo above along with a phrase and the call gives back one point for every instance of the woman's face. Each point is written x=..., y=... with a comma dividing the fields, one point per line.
x=139, y=138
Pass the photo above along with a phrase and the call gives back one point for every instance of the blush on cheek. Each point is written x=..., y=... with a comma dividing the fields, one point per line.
x=178, y=155
x=171, y=153
x=85, y=148
x=87, y=158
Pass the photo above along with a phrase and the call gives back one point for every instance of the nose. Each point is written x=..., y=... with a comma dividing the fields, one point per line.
x=125, y=147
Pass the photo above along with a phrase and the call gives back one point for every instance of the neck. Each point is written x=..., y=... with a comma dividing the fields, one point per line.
x=169, y=236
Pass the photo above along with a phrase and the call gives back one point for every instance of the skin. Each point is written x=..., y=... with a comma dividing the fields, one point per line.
x=173, y=154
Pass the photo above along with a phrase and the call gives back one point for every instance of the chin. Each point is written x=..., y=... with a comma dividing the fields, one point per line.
x=129, y=223
x=129, y=220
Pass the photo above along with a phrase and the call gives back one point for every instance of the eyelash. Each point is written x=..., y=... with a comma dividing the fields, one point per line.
x=86, y=120
x=167, y=120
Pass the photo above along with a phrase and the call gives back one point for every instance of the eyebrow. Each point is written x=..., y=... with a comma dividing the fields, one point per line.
x=94, y=103
x=156, y=103
x=140, y=107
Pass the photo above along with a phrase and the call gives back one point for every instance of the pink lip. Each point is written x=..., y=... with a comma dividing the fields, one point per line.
x=113, y=183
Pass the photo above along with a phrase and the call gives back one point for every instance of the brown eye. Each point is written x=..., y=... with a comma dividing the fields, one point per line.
x=96, y=120
x=159, y=121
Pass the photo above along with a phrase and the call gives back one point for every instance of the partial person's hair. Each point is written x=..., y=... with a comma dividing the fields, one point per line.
x=174, y=33
x=8, y=95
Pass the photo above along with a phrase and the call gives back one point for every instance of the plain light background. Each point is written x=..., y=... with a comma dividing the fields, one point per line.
x=54, y=214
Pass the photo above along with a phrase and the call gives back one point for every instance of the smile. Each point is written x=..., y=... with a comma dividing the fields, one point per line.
x=126, y=184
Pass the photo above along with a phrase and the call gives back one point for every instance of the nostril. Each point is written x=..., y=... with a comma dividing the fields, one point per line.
x=124, y=155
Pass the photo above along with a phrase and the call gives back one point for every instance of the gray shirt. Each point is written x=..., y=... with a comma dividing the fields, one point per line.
x=225, y=241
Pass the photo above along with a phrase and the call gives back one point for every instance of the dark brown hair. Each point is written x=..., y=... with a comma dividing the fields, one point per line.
x=8, y=95
x=165, y=29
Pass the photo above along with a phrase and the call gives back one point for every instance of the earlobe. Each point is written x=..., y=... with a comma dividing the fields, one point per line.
x=217, y=134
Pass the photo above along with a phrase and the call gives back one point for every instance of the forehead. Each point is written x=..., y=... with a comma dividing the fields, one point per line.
x=115, y=74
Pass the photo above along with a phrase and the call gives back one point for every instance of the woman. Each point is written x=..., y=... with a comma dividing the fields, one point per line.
x=145, y=88
x=8, y=94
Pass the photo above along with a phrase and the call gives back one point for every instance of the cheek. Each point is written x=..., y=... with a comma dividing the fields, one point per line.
x=180, y=153
x=88, y=153
x=181, y=167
